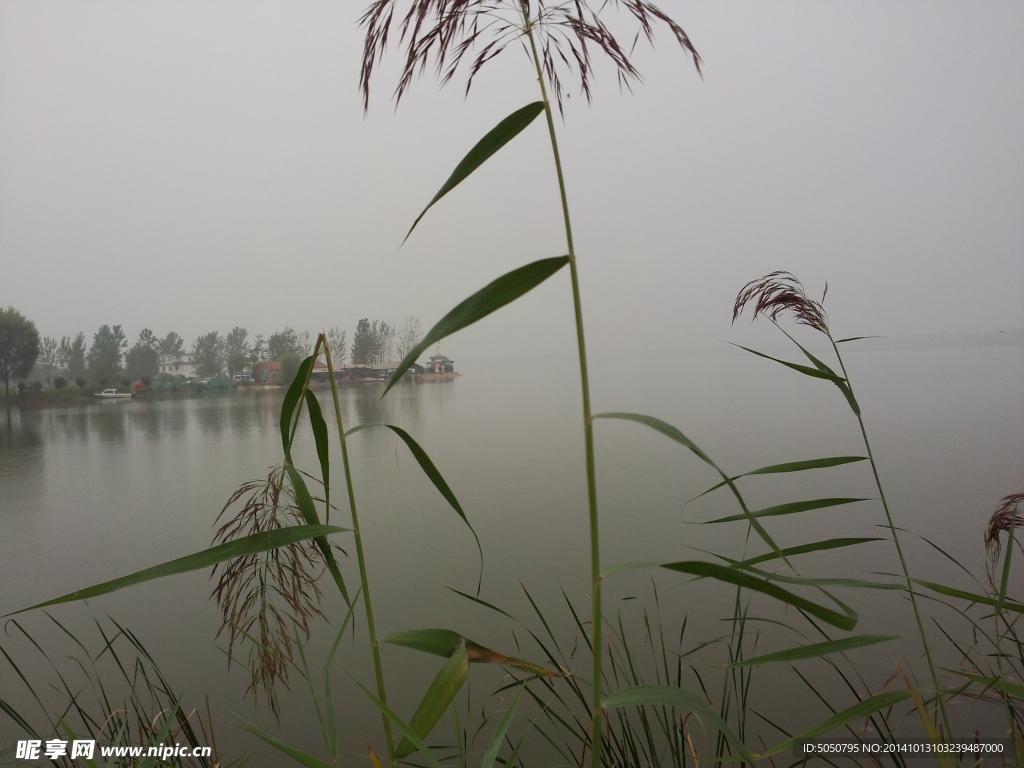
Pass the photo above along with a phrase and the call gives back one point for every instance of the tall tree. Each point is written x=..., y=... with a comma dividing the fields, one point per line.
x=383, y=338
x=172, y=344
x=19, y=345
x=105, y=354
x=258, y=352
x=149, y=340
x=208, y=354
x=305, y=344
x=73, y=358
x=281, y=343
x=236, y=349
x=407, y=337
x=49, y=354
x=362, y=343
x=143, y=360
x=336, y=341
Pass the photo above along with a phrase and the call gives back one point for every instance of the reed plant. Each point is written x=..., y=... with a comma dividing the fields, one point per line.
x=272, y=551
x=111, y=692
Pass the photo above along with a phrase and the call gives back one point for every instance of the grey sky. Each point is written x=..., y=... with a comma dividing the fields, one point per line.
x=180, y=165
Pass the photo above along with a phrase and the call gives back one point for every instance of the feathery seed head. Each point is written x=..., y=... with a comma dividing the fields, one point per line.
x=780, y=292
x=267, y=597
x=448, y=31
x=1006, y=516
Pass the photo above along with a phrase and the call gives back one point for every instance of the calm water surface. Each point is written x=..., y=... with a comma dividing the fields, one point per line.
x=94, y=492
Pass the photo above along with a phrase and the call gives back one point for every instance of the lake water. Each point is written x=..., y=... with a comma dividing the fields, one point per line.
x=97, y=491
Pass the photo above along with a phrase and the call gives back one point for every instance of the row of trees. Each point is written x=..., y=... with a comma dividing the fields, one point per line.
x=109, y=358
x=374, y=342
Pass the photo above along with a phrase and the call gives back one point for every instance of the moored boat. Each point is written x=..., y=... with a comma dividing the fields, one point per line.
x=113, y=394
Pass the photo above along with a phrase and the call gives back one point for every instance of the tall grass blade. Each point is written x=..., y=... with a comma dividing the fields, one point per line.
x=858, y=711
x=295, y=754
x=847, y=620
x=667, y=696
x=815, y=650
x=374, y=760
x=445, y=642
x=435, y=477
x=995, y=683
x=404, y=727
x=942, y=589
x=674, y=434
x=499, y=734
x=292, y=398
x=491, y=297
x=316, y=420
x=495, y=139
x=792, y=507
x=817, y=546
x=804, y=369
x=257, y=542
x=305, y=501
x=1005, y=580
x=792, y=466
x=436, y=700
x=945, y=761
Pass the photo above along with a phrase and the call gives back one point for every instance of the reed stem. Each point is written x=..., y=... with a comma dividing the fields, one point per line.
x=371, y=628
x=588, y=427
x=899, y=551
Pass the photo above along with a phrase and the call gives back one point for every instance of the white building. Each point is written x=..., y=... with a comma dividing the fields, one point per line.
x=178, y=365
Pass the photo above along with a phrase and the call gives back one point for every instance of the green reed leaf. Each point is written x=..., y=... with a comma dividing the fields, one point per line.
x=1005, y=580
x=305, y=501
x=855, y=338
x=444, y=642
x=295, y=754
x=488, y=299
x=996, y=683
x=942, y=589
x=292, y=398
x=815, y=650
x=832, y=376
x=316, y=420
x=791, y=508
x=674, y=434
x=807, y=580
x=847, y=620
x=791, y=466
x=858, y=711
x=404, y=728
x=803, y=549
x=804, y=369
x=436, y=478
x=496, y=138
x=666, y=696
x=257, y=542
x=437, y=699
x=492, y=749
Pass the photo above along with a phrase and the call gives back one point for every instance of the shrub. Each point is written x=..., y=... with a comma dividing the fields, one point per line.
x=80, y=382
x=60, y=382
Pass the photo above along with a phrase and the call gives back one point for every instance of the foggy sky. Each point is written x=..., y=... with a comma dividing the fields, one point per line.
x=189, y=165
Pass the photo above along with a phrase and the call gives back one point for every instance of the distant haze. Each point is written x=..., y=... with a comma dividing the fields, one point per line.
x=192, y=166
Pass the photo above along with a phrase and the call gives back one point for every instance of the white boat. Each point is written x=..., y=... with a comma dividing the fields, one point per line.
x=113, y=394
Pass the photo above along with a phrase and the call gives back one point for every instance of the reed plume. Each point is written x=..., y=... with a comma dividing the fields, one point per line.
x=778, y=293
x=475, y=31
x=268, y=596
x=1006, y=516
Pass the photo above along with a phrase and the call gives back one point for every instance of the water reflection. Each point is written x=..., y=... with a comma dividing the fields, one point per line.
x=108, y=419
x=22, y=455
